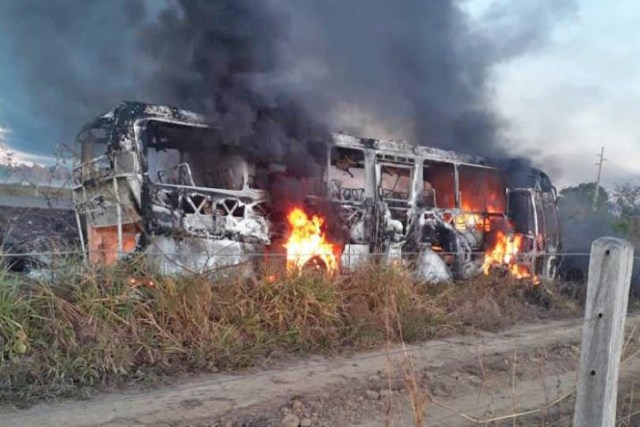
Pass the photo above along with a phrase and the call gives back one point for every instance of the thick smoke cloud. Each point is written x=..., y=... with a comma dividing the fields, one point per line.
x=414, y=69
x=406, y=68
x=274, y=75
x=73, y=60
x=213, y=57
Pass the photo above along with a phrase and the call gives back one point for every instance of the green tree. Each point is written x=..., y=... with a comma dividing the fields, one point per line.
x=578, y=201
x=581, y=224
x=626, y=199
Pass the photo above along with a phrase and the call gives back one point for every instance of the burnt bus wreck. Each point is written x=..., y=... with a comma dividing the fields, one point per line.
x=148, y=183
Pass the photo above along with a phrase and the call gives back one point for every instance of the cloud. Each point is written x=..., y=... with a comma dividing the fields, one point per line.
x=8, y=154
x=69, y=61
x=579, y=93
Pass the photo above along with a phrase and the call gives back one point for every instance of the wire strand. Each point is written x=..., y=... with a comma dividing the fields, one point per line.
x=263, y=255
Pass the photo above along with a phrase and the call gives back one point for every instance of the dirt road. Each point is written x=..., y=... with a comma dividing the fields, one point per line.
x=481, y=376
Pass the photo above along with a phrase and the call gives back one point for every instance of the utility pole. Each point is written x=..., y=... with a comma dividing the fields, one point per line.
x=596, y=191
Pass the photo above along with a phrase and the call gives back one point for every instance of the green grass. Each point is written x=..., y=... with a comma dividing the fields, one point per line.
x=83, y=328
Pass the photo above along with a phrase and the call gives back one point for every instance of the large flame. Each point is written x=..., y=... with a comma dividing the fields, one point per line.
x=504, y=254
x=470, y=218
x=307, y=242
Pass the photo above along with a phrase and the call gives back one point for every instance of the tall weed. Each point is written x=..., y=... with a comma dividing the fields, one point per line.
x=85, y=327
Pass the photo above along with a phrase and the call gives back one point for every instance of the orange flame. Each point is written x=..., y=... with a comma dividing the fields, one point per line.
x=504, y=253
x=471, y=218
x=307, y=242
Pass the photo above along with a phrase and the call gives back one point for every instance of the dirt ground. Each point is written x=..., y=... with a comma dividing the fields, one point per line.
x=481, y=379
x=22, y=224
x=453, y=382
x=25, y=230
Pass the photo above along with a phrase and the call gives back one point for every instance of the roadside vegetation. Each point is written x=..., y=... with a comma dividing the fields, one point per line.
x=121, y=325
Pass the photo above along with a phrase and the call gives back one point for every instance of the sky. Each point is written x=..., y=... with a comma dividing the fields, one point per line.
x=559, y=103
x=577, y=93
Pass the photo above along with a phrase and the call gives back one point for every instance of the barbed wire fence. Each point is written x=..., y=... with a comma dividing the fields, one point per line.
x=64, y=153
x=473, y=414
x=156, y=251
x=255, y=255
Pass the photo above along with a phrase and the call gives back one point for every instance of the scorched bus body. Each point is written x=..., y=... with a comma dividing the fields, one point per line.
x=155, y=180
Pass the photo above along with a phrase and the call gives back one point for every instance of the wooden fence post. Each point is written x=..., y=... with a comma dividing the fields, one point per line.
x=603, y=332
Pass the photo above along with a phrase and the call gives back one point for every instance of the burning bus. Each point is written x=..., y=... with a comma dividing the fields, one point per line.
x=157, y=180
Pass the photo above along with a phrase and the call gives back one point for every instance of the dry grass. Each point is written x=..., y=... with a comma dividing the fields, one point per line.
x=83, y=327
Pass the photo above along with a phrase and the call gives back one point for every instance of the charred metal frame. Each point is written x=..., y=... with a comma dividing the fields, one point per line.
x=186, y=226
x=400, y=236
x=127, y=212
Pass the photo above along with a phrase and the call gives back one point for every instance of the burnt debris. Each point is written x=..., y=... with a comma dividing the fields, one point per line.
x=163, y=181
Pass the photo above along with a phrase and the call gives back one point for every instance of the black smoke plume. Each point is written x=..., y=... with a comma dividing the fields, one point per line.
x=276, y=75
x=214, y=58
x=73, y=60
